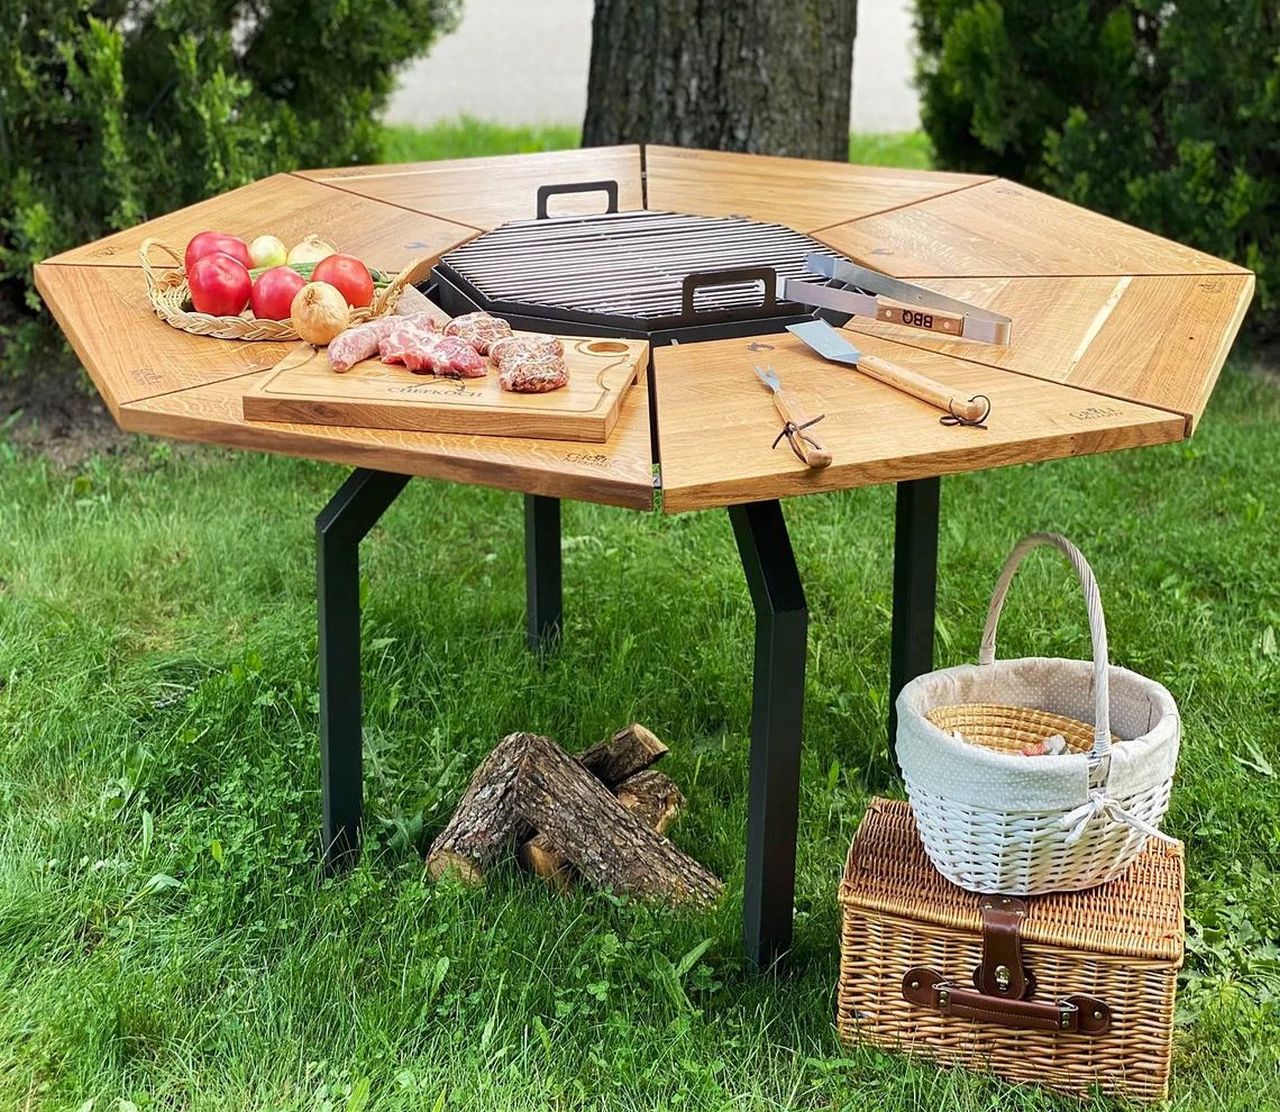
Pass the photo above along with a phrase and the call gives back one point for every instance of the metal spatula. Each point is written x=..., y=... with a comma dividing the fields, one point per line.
x=830, y=344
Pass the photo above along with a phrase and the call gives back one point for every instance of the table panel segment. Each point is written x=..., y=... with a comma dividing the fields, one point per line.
x=716, y=422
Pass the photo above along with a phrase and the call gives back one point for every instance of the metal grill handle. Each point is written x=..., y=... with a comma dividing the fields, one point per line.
x=608, y=188
x=704, y=279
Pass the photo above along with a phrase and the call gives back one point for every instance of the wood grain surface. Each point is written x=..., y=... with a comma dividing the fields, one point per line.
x=290, y=207
x=716, y=422
x=616, y=473
x=802, y=193
x=304, y=388
x=1158, y=340
x=1118, y=334
x=486, y=192
x=1002, y=229
x=128, y=351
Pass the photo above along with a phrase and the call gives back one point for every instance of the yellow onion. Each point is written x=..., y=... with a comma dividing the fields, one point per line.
x=319, y=312
x=310, y=249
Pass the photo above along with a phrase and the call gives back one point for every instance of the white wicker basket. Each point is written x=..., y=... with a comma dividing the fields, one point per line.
x=994, y=820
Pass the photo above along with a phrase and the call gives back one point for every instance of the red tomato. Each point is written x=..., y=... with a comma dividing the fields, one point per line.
x=273, y=292
x=208, y=242
x=349, y=276
x=219, y=285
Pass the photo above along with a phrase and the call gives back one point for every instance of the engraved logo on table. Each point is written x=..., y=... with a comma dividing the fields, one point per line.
x=1096, y=413
x=148, y=376
x=590, y=459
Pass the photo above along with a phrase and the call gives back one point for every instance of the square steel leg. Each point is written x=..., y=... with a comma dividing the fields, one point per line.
x=915, y=588
x=777, y=721
x=350, y=514
x=543, y=596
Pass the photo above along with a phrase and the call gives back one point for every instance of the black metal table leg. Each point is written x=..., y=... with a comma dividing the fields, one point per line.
x=915, y=587
x=542, y=570
x=777, y=709
x=350, y=514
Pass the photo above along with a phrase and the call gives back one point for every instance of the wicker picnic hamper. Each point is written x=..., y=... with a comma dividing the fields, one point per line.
x=996, y=820
x=1076, y=991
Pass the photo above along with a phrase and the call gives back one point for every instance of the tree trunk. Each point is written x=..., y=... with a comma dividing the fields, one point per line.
x=769, y=78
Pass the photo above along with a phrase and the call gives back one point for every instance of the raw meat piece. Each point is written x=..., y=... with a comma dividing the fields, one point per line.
x=361, y=342
x=533, y=375
x=447, y=356
x=405, y=336
x=480, y=330
x=425, y=321
x=519, y=347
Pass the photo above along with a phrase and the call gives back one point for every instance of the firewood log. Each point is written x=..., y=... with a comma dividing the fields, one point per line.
x=608, y=844
x=651, y=795
x=484, y=824
x=632, y=749
x=627, y=753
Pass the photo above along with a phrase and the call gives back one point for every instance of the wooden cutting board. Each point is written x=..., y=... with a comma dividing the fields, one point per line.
x=303, y=389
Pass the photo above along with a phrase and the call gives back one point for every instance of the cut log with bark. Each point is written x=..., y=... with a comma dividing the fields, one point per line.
x=484, y=827
x=528, y=783
x=609, y=845
x=651, y=795
x=626, y=754
x=632, y=749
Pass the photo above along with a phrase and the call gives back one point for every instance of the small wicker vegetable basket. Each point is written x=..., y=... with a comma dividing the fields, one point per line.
x=170, y=297
x=995, y=820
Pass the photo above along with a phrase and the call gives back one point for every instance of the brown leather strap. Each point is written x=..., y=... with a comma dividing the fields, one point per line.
x=1002, y=973
x=1078, y=1014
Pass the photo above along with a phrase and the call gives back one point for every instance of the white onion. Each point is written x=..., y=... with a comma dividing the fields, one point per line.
x=310, y=249
x=319, y=312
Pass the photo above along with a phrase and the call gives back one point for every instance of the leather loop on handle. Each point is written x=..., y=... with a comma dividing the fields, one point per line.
x=705, y=279
x=922, y=387
x=1097, y=626
x=545, y=192
x=814, y=455
x=1076, y=1015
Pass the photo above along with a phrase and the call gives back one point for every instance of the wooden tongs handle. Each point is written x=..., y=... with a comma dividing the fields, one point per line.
x=806, y=446
x=971, y=412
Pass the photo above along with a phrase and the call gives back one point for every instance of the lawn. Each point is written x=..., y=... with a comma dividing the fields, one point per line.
x=166, y=940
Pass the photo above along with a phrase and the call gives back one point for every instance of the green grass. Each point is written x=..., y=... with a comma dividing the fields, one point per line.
x=467, y=138
x=165, y=937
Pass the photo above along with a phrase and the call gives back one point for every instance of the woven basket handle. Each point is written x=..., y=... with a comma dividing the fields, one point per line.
x=144, y=257
x=1097, y=625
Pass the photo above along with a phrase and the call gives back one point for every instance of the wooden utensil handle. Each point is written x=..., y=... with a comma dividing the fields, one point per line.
x=919, y=386
x=916, y=316
x=815, y=457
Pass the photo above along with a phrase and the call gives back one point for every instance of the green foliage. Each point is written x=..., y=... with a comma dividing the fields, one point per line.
x=114, y=112
x=1164, y=115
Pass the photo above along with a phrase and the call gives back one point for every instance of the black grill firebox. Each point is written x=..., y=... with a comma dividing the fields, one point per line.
x=651, y=275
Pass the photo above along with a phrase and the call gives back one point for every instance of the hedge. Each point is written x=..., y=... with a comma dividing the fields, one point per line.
x=1166, y=115
x=114, y=112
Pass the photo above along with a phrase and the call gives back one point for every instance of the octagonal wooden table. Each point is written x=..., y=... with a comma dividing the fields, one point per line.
x=1118, y=339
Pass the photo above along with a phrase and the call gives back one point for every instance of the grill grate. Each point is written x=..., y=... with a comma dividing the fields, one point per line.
x=628, y=265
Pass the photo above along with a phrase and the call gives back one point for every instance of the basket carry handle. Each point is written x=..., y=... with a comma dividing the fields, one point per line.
x=1077, y=1014
x=1097, y=626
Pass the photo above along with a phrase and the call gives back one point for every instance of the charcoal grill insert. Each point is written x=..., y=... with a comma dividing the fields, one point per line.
x=654, y=275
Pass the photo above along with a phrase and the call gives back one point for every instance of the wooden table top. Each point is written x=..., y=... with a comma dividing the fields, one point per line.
x=1118, y=334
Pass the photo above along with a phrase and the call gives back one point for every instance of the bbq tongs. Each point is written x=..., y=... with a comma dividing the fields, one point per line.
x=868, y=293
